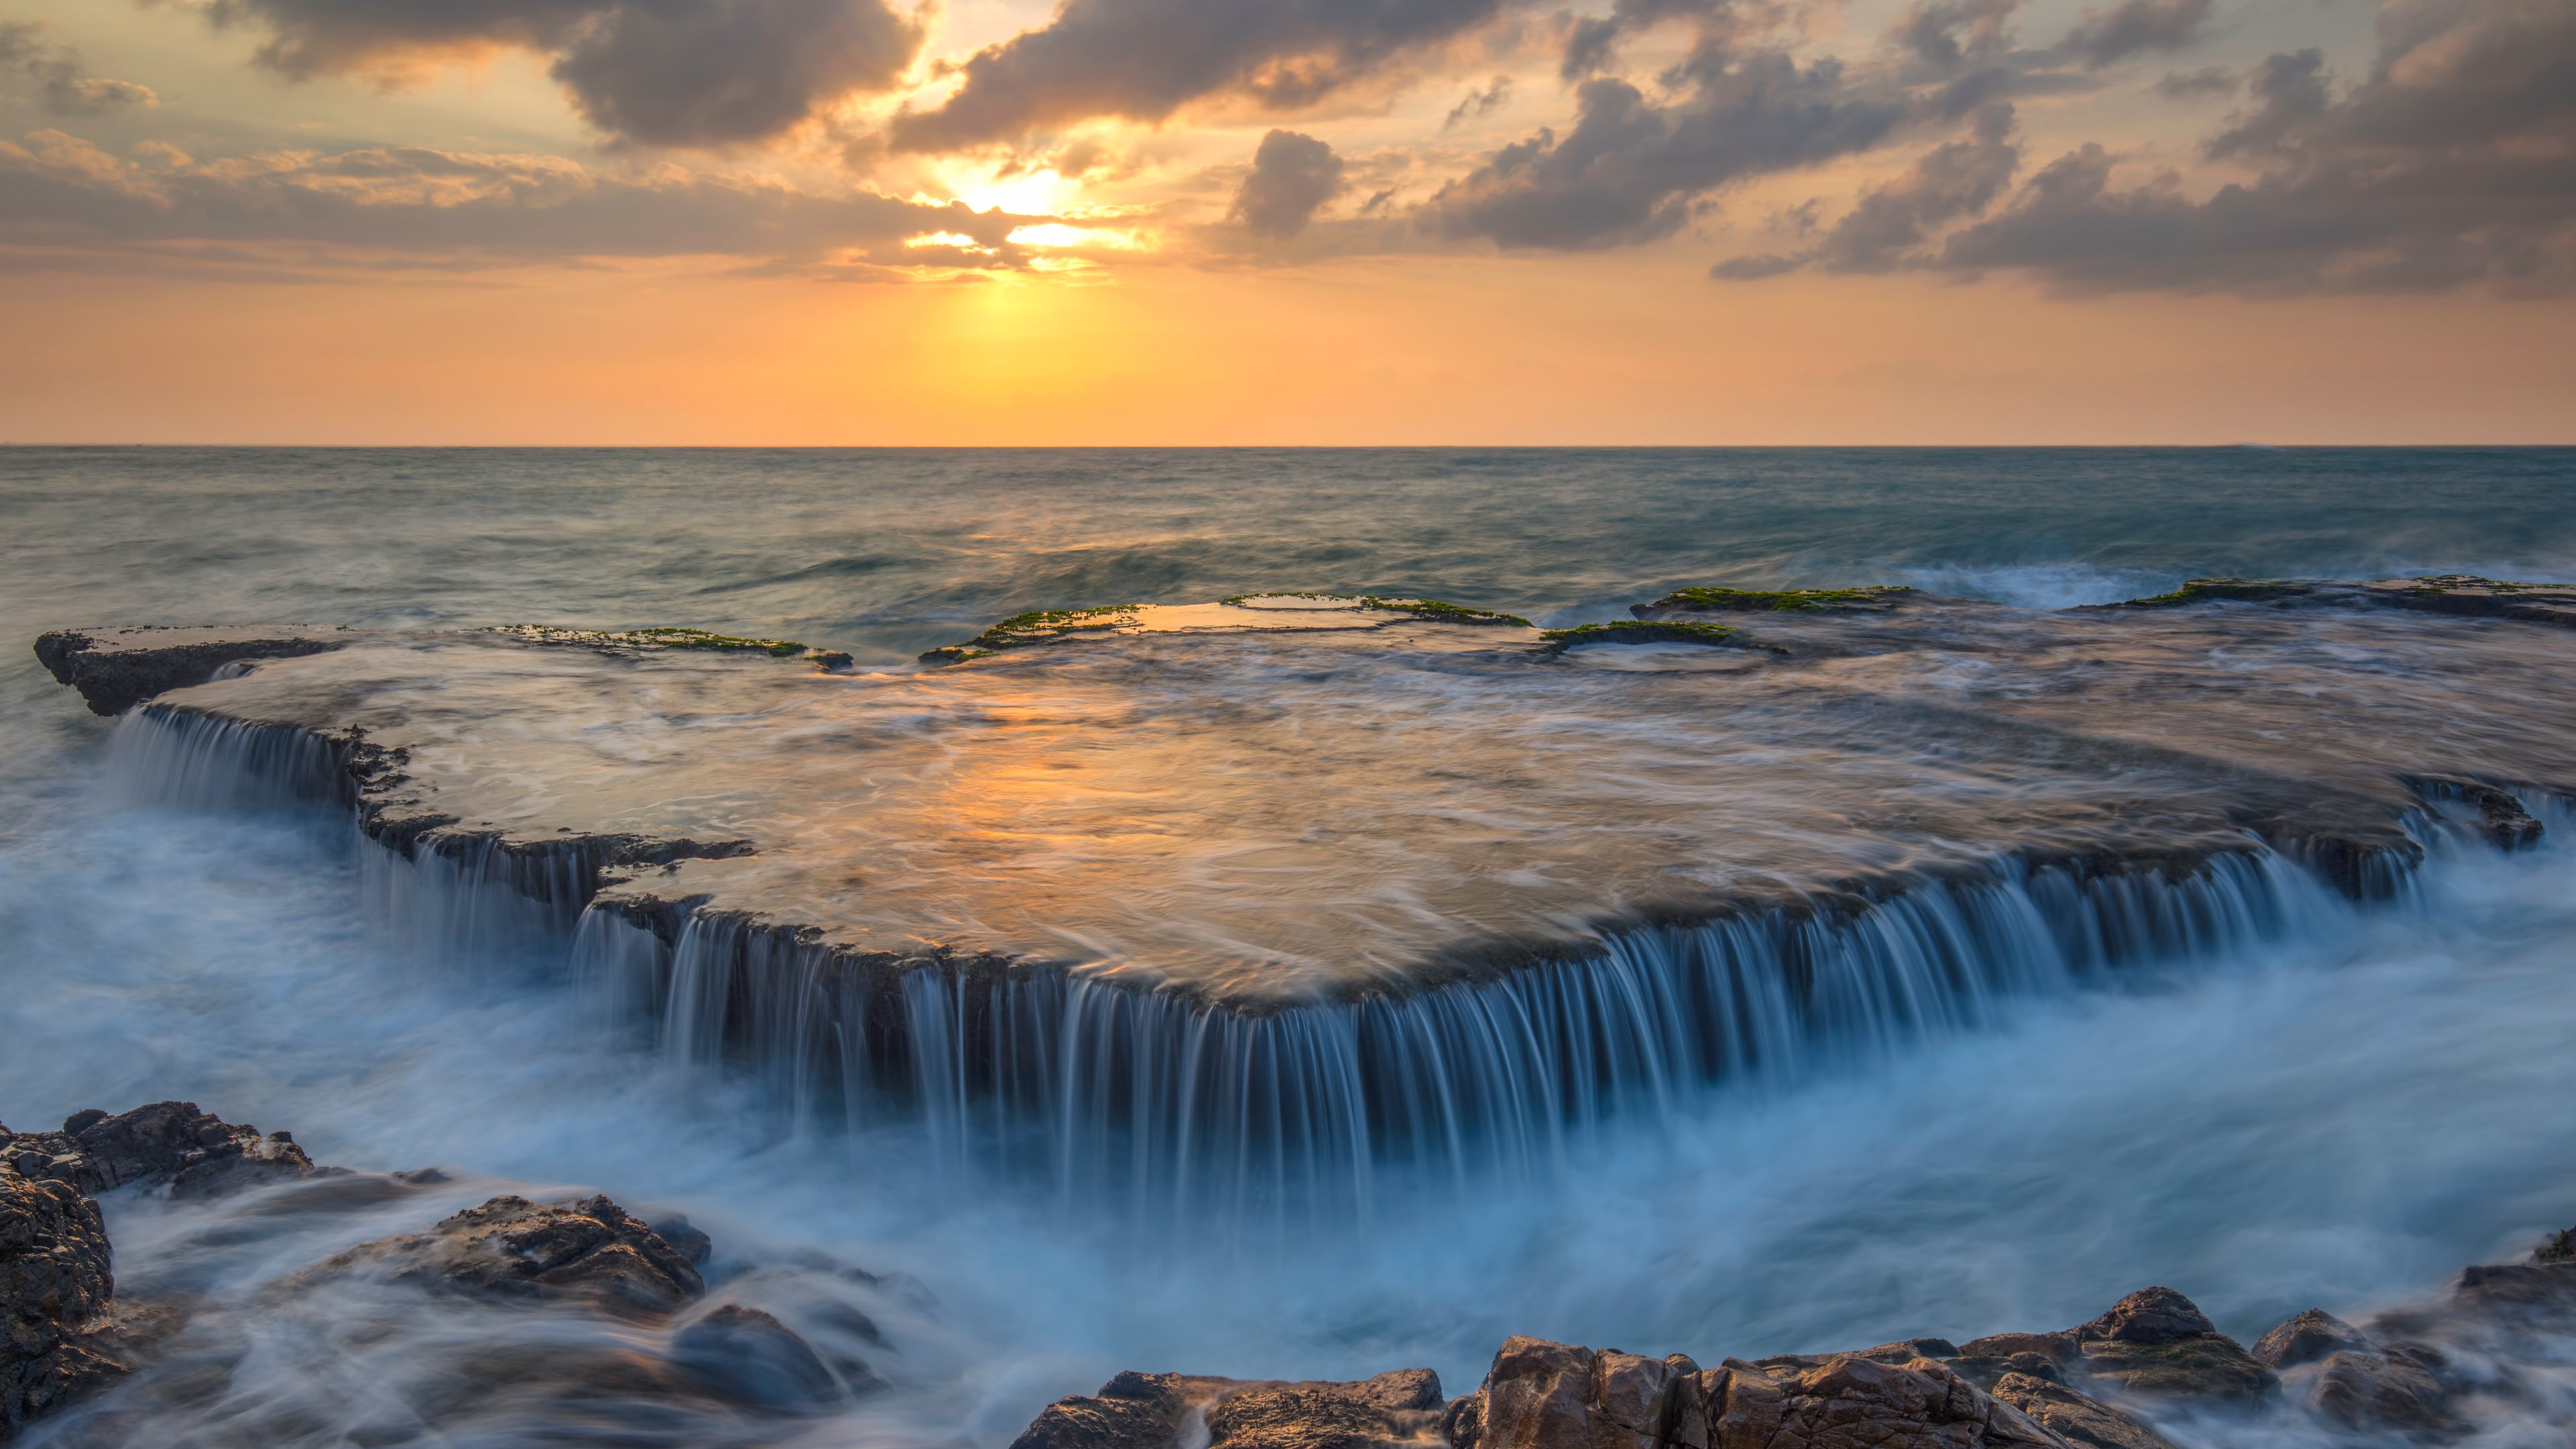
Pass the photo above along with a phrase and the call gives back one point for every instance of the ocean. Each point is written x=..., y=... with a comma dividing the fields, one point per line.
x=2338, y=1114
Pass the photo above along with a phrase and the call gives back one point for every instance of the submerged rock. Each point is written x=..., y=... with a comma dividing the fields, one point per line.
x=55, y=1283
x=589, y=1248
x=2372, y=1392
x=176, y=1143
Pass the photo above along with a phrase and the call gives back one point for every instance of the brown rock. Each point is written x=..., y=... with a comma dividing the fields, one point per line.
x=589, y=1248
x=2156, y=1343
x=174, y=1142
x=747, y=1356
x=1131, y=1411
x=54, y=1287
x=2377, y=1392
x=2305, y=1339
x=1851, y=1402
x=1393, y=1408
x=2081, y=1421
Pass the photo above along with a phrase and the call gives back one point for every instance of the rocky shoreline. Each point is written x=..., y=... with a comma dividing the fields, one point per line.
x=2151, y=1373
x=70, y=1336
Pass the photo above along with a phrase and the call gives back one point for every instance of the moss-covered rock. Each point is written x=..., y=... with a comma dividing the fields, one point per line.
x=662, y=637
x=2210, y=591
x=1785, y=601
x=1641, y=631
x=1037, y=626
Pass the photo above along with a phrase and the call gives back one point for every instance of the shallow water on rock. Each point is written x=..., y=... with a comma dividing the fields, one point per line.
x=2337, y=1116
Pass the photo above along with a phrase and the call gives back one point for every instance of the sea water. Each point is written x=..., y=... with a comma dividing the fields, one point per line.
x=2337, y=1115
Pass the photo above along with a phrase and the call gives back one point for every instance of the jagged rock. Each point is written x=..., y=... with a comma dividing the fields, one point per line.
x=589, y=1248
x=2079, y=1420
x=1148, y=1411
x=2305, y=1339
x=2547, y=1288
x=1985, y=1372
x=55, y=1283
x=747, y=1356
x=174, y=1142
x=2156, y=1343
x=2058, y=1348
x=117, y=669
x=1389, y=1409
x=1857, y=1403
x=2378, y=1392
x=1131, y=1411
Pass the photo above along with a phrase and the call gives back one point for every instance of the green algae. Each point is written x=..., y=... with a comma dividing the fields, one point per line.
x=660, y=637
x=1803, y=601
x=1442, y=613
x=2206, y=591
x=1037, y=626
x=1639, y=631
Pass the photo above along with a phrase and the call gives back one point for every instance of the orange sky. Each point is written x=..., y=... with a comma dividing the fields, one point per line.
x=240, y=255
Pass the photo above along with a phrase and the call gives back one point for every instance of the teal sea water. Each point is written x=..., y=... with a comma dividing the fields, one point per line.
x=2338, y=1118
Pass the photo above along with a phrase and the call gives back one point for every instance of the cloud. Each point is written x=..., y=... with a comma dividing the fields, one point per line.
x=465, y=209
x=1881, y=231
x=1292, y=175
x=2453, y=162
x=678, y=73
x=1931, y=30
x=2209, y=80
x=1145, y=59
x=1630, y=169
x=57, y=71
x=2104, y=37
x=1478, y=103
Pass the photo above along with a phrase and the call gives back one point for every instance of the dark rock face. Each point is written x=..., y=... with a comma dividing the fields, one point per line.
x=173, y=1142
x=117, y=669
x=589, y=1248
x=1149, y=1411
x=54, y=1287
x=2305, y=1339
x=2157, y=1344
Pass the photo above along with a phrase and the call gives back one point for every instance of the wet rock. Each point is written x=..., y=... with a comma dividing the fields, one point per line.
x=2523, y=1289
x=2306, y=1339
x=1152, y=1411
x=2079, y=1420
x=590, y=1248
x=2381, y=1392
x=1857, y=1403
x=1392, y=1408
x=685, y=1240
x=2157, y=1343
x=55, y=1284
x=117, y=669
x=2058, y=1348
x=1131, y=1411
x=1985, y=1372
x=193, y=1151
x=747, y=1356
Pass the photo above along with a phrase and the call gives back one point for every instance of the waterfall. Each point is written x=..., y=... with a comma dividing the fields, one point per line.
x=1147, y=1100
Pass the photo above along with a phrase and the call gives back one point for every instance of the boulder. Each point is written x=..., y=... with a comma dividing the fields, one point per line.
x=166, y=1142
x=1850, y=1402
x=2079, y=1420
x=2306, y=1339
x=2156, y=1343
x=1152, y=1411
x=747, y=1356
x=2375, y=1393
x=589, y=1248
x=1391, y=1409
x=55, y=1284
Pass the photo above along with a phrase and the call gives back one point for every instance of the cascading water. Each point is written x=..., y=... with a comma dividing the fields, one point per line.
x=1144, y=1102
x=1144, y=1099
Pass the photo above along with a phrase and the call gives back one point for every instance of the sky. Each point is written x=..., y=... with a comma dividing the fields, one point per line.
x=999, y=222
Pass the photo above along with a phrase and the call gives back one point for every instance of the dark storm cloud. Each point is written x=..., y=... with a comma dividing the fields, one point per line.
x=1961, y=178
x=659, y=72
x=2452, y=162
x=1292, y=175
x=472, y=210
x=1631, y=169
x=1144, y=59
x=59, y=75
x=2134, y=27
